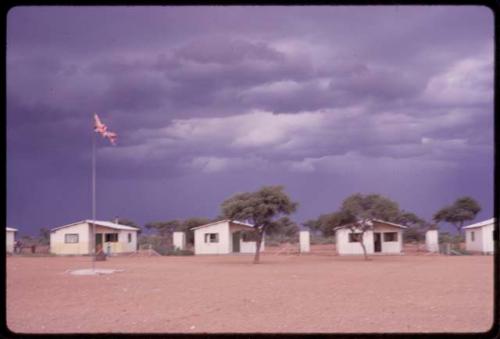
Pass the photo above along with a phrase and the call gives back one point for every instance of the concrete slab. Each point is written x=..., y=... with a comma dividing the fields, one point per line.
x=96, y=271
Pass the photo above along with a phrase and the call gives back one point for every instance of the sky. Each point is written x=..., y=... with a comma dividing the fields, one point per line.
x=208, y=102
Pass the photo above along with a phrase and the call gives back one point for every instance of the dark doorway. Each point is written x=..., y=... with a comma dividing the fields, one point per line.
x=98, y=242
x=377, y=242
x=236, y=242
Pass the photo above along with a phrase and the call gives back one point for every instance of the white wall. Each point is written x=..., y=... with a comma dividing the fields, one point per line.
x=122, y=246
x=483, y=239
x=304, y=241
x=477, y=243
x=57, y=245
x=390, y=247
x=251, y=246
x=487, y=235
x=179, y=239
x=126, y=246
x=221, y=247
x=345, y=247
x=10, y=235
x=432, y=241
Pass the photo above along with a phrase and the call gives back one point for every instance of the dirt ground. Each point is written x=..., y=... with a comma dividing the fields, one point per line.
x=317, y=292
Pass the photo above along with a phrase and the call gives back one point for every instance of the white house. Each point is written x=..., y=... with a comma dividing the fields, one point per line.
x=382, y=238
x=76, y=238
x=224, y=237
x=479, y=236
x=10, y=237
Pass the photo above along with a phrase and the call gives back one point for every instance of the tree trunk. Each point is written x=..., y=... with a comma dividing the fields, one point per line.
x=257, y=247
x=363, y=245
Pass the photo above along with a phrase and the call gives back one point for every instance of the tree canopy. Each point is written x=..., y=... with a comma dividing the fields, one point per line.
x=370, y=206
x=462, y=210
x=261, y=208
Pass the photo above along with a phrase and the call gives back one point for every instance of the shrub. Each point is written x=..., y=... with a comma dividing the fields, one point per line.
x=321, y=240
x=180, y=252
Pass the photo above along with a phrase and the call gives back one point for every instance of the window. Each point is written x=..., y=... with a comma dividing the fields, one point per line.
x=471, y=236
x=111, y=237
x=390, y=236
x=130, y=237
x=212, y=237
x=71, y=238
x=354, y=237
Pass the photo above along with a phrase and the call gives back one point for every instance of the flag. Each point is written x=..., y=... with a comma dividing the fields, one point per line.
x=102, y=129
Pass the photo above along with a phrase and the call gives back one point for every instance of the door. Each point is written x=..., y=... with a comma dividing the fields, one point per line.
x=98, y=242
x=377, y=245
x=236, y=242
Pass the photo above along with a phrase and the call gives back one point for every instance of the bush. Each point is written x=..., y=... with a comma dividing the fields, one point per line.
x=452, y=239
x=180, y=252
x=321, y=240
x=272, y=243
x=277, y=239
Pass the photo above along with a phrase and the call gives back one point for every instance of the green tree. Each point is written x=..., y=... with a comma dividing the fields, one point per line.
x=127, y=222
x=463, y=209
x=260, y=208
x=358, y=210
x=326, y=223
x=164, y=228
x=415, y=224
x=44, y=236
x=283, y=226
x=187, y=225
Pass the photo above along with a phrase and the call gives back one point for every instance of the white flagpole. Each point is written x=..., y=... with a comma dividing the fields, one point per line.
x=93, y=199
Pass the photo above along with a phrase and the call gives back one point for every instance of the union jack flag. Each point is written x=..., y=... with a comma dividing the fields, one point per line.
x=102, y=129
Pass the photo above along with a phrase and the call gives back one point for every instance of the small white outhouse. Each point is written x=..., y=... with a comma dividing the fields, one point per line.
x=479, y=236
x=179, y=239
x=110, y=237
x=10, y=237
x=382, y=238
x=224, y=237
x=432, y=240
x=304, y=242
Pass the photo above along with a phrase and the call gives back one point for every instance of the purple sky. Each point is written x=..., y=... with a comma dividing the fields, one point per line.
x=211, y=101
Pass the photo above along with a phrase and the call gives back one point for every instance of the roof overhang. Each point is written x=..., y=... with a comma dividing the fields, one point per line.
x=481, y=224
x=100, y=223
x=236, y=222
x=370, y=223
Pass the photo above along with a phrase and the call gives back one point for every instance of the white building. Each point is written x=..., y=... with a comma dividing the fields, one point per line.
x=382, y=238
x=432, y=241
x=479, y=236
x=10, y=237
x=224, y=237
x=179, y=239
x=304, y=242
x=75, y=238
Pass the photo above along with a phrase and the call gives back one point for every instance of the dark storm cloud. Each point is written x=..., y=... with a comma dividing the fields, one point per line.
x=272, y=93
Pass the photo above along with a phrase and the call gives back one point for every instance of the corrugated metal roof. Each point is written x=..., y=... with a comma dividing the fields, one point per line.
x=99, y=223
x=481, y=224
x=221, y=221
x=10, y=229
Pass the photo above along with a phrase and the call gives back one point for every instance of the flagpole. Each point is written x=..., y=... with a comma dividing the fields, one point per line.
x=93, y=199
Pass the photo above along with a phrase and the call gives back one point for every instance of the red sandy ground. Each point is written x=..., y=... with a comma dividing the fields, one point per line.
x=317, y=292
